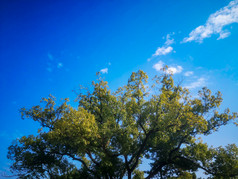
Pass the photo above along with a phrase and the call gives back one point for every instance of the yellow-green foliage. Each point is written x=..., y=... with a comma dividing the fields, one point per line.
x=110, y=134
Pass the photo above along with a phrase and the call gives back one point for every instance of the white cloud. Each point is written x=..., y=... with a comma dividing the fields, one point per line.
x=188, y=73
x=199, y=83
x=59, y=65
x=223, y=35
x=169, y=40
x=163, y=50
x=104, y=70
x=158, y=66
x=172, y=70
x=166, y=48
x=215, y=24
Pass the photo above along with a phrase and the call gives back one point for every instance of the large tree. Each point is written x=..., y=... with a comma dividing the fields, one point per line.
x=110, y=134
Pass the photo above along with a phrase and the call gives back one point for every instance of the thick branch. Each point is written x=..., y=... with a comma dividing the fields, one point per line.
x=91, y=157
x=156, y=170
x=137, y=155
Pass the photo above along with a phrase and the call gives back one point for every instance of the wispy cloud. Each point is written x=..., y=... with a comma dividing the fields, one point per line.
x=53, y=63
x=172, y=70
x=188, y=73
x=169, y=40
x=163, y=50
x=166, y=48
x=201, y=82
x=104, y=70
x=50, y=56
x=216, y=23
x=60, y=65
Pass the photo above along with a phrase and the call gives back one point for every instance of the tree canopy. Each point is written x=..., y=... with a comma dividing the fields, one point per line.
x=110, y=134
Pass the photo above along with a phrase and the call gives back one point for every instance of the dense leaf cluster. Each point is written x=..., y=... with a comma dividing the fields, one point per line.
x=111, y=134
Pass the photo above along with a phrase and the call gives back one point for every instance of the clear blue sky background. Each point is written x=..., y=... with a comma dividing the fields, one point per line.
x=50, y=47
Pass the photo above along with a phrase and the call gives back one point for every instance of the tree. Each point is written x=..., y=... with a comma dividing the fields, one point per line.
x=111, y=134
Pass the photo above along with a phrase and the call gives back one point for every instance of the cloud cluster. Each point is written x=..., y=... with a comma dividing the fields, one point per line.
x=172, y=70
x=200, y=82
x=215, y=24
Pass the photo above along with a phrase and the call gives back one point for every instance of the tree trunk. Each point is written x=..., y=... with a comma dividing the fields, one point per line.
x=129, y=174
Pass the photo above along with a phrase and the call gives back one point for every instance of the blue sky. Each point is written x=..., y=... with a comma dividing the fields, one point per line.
x=51, y=47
